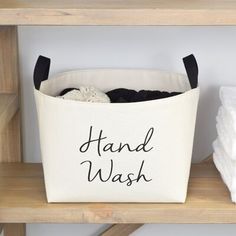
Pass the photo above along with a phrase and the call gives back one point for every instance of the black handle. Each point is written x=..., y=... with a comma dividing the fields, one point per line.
x=191, y=67
x=41, y=71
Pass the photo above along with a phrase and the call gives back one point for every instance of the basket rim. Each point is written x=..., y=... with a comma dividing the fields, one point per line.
x=166, y=72
x=136, y=104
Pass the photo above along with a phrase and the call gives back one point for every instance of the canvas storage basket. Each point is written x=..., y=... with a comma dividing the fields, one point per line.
x=159, y=134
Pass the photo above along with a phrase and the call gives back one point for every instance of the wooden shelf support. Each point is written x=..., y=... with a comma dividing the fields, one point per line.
x=121, y=230
x=1, y=228
x=14, y=230
x=10, y=132
x=8, y=108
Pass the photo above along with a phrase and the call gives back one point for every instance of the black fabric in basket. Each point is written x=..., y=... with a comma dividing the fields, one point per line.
x=122, y=95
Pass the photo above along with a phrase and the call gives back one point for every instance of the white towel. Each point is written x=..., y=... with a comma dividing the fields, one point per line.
x=228, y=96
x=226, y=167
x=226, y=133
x=224, y=175
x=228, y=100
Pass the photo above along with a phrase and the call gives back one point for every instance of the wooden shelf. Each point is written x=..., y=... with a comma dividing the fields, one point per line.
x=118, y=12
x=23, y=200
x=8, y=108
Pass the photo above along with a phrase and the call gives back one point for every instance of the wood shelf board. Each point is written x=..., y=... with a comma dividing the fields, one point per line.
x=23, y=200
x=117, y=12
x=8, y=108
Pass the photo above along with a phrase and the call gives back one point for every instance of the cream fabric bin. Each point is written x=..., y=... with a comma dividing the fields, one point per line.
x=157, y=171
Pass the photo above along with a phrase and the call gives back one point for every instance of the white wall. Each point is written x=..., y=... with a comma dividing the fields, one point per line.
x=146, y=47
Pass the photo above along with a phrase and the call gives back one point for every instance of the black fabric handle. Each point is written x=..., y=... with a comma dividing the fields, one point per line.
x=41, y=71
x=191, y=67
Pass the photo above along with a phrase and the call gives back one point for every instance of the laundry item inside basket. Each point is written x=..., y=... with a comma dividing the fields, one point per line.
x=128, y=95
x=120, y=95
x=85, y=94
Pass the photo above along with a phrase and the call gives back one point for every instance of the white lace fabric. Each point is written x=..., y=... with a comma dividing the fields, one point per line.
x=86, y=94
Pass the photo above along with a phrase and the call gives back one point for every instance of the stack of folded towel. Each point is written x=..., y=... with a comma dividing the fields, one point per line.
x=224, y=146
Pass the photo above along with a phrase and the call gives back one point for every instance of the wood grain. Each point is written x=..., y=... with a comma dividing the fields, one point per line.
x=9, y=128
x=23, y=199
x=121, y=230
x=8, y=108
x=14, y=230
x=8, y=60
x=10, y=143
x=117, y=12
x=10, y=135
